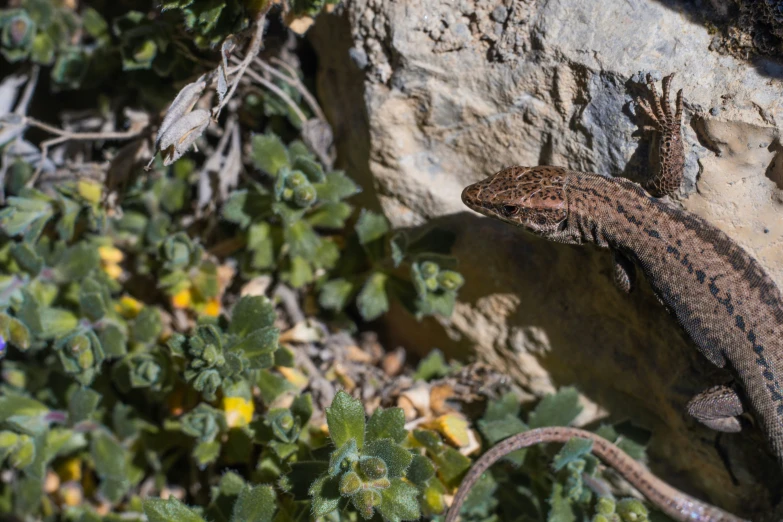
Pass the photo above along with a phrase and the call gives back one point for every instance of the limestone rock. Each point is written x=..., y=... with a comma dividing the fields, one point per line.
x=427, y=97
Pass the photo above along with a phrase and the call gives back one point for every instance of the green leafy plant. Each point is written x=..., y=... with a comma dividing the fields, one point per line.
x=140, y=359
x=280, y=220
x=369, y=469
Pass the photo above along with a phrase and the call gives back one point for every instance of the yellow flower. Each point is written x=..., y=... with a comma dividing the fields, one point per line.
x=111, y=258
x=70, y=469
x=128, y=307
x=181, y=299
x=90, y=190
x=212, y=307
x=112, y=270
x=239, y=411
x=110, y=255
x=72, y=494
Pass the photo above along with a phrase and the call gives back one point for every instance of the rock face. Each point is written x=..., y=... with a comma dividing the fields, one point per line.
x=427, y=97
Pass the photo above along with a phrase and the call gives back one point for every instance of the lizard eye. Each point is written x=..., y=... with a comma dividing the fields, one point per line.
x=510, y=210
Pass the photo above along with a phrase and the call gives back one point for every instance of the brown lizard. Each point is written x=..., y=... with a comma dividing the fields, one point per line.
x=718, y=293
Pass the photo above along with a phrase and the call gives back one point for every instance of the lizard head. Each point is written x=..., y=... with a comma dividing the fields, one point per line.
x=530, y=197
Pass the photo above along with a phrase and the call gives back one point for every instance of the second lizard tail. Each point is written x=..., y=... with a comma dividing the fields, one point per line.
x=678, y=505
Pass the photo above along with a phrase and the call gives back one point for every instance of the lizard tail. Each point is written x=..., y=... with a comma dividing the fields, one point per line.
x=671, y=501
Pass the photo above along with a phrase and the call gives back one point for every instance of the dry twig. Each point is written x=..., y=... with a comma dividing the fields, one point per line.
x=252, y=51
x=64, y=135
x=294, y=81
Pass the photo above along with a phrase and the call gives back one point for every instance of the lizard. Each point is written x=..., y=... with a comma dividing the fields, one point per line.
x=721, y=296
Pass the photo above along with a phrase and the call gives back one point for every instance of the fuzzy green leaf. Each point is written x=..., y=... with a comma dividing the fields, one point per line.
x=272, y=385
x=561, y=506
x=268, y=153
x=371, y=226
x=372, y=300
x=399, y=502
x=301, y=273
x=27, y=258
x=573, y=450
x=397, y=458
x=451, y=463
x=432, y=367
x=387, y=424
x=159, y=510
x=206, y=452
x=496, y=430
x=255, y=504
x=343, y=457
x=311, y=168
x=251, y=313
x=556, y=410
x=110, y=460
x=420, y=471
x=336, y=187
x=335, y=294
x=83, y=404
x=259, y=347
x=302, y=240
x=345, y=418
x=326, y=495
x=77, y=262
x=330, y=215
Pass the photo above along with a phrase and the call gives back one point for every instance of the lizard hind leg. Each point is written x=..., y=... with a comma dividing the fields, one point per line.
x=717, y=408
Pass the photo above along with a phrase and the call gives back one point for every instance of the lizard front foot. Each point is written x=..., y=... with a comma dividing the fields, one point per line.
x=671, y=158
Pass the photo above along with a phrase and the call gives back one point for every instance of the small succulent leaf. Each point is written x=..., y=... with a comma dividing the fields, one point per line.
x=345, y=418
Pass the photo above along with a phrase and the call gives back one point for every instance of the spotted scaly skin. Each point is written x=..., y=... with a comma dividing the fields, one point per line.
x=669, y=500
x=719, y=294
